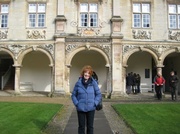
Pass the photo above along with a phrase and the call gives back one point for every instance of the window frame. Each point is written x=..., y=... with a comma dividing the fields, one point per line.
x=6, y=20
x=176, y=21
x=37, y=13
x=141, y=14
x=88, y=13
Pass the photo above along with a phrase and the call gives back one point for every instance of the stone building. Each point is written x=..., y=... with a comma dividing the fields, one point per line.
x=45, y=43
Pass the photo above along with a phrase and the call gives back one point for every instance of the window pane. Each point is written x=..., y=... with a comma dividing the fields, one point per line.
x=32, y=20
x=4, y=21
x=146, y=20
x=178, y=9
x=145, y=8
x=32, y=8
x=137, y=20
x=172, y=8
x=178, y=21
x=136, y=8
x=84, y=20
x=84, y=7
x=93, y=20
x=93, y=7
x=41, y=20
x=41, y=8
x=4, y=8
x=172, y=21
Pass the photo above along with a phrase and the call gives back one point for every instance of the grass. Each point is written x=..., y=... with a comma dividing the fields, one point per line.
x=25, y=118
x=161, y=118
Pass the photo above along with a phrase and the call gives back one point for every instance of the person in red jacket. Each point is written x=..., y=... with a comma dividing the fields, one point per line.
x=159, y=81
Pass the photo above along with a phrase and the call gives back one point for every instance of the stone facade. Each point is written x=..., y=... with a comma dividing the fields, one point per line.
x=114, y=40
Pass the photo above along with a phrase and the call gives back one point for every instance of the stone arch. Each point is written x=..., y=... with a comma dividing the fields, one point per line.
x=9, y=52
x=22, y=55
x=128, y=54
x=164, y=55
x=71, y=55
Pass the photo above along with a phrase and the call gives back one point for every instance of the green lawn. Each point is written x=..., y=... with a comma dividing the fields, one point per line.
x=25, y=118
x=161, y=118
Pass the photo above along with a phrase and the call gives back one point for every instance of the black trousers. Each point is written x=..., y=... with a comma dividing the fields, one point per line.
x=158, y=91
x=86, y=119
x=174, y=92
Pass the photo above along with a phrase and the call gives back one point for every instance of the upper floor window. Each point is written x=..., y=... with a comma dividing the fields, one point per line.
x=141, y=15
x=88, y=15
x=4, y=11
x=37, y=15
x=174, y=16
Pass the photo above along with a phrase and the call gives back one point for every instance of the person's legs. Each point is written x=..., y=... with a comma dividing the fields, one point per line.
x=157, y=92
x=81, y=122
x=172, y=93
x=90, y=122
x=160, y=92
x=176, y=94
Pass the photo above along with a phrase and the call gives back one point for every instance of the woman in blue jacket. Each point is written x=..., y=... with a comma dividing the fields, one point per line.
x=86, y=96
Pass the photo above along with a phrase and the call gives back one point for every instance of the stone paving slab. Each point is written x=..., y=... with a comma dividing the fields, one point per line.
x=101, y=125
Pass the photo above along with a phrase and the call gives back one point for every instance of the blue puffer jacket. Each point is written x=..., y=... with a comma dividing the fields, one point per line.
x=86, y=99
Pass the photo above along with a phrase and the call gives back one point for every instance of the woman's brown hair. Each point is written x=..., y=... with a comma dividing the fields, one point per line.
x=85, y=69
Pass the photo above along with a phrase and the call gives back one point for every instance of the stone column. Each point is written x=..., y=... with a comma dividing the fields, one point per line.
x=117, y=81
x=109, y=86
x=116, y=20
x=60, y=10
x=124, y=78
x=116, y=9
x=59, y=65
x=52, y=81
x=60, y=19
x=67, y=79
x=17, y=79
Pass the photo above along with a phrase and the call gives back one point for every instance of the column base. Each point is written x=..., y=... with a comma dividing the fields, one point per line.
x=17, y=93
x=118, y=94
x=58, y=93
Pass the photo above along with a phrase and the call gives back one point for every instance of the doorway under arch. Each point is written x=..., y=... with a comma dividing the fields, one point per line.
x=7, y=71
x=171, y=63
x=142, y=63
x=94, y=59
x=35, y=72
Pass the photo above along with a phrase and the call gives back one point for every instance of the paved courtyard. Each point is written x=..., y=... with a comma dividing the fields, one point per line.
x=65, y=122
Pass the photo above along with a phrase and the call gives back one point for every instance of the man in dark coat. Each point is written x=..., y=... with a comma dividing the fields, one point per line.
x=129, y=83
x=173, y=84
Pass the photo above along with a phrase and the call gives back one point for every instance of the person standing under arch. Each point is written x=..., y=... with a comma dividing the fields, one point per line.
x=86, y=96
x=159, y=81
x=173, y=84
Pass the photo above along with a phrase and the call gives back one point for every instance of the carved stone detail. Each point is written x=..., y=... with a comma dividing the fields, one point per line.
x=71, y=47
x=107, y=40
x=3, y=34
x=88, y=31
x=49, y=48
x=174, y=35
x=158, y=49
x=126, y=48
x=104, y=47
x=35, y=34
x=15, y=48
x=107, y=49
x=141, y=34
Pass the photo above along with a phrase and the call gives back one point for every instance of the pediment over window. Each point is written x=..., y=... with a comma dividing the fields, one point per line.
x=88, y=1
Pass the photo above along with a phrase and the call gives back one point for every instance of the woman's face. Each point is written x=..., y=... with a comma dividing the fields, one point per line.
x=86, y=75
